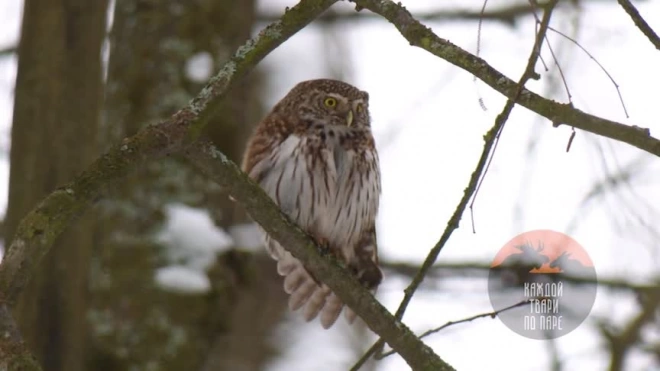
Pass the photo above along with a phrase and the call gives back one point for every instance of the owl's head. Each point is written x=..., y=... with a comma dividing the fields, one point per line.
x=330, y=102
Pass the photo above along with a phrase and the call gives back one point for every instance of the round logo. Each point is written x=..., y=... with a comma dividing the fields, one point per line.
x=542, y=284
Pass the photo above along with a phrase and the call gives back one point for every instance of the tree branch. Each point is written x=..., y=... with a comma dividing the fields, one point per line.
x=470, y=191
x=14, y=355
x=263, y=210
x=39, y=229
x=640, y=22
x=8, y=51
x=41, y=226
x=492, y=314
x=508, y=15
x=421, y=36
x=482, y=269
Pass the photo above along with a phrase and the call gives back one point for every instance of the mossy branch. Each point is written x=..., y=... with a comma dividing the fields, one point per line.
x=263, y=210
x=14, y=354
x=40, y=228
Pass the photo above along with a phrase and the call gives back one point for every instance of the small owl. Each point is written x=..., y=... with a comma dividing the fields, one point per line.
x=314, y=154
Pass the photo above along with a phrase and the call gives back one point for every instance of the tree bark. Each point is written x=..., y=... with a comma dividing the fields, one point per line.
x=151, y=45
x=54, y=132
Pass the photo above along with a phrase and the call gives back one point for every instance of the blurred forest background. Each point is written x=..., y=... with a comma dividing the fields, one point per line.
x=166, y=273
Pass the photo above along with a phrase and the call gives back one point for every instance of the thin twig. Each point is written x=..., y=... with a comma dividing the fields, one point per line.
x=492, y=314
x=490, y=139
x=482, y=104
x=640, y=22
x=421, y=36
x=501, y=119
x=561, y=71
x=554, y=57
x=616, y=86
x=570, y=140
x=8, y=51
x=508, y=15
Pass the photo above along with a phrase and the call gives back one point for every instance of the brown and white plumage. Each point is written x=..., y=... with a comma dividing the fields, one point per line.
x=314, y=154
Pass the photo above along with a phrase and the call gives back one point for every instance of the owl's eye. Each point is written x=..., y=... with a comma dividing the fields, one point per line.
x=359, y=108
x=330, y=102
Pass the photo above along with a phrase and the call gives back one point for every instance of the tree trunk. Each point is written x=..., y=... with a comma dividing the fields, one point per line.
x=54, y=133
x=136, y=323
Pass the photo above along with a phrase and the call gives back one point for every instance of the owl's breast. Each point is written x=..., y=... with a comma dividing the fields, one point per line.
x=329, y=190
x=353, y=202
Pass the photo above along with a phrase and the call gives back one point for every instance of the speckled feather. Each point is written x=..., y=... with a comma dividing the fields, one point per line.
x=324, y=174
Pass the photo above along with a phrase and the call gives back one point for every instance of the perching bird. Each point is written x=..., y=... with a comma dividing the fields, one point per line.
x=314, y=154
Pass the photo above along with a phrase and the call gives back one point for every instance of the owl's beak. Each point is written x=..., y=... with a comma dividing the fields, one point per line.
x=349, y=118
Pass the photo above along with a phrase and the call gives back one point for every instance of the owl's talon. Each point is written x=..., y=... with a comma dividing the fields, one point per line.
x=323, y=246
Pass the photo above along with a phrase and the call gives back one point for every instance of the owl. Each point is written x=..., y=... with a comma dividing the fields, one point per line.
x=314, y=154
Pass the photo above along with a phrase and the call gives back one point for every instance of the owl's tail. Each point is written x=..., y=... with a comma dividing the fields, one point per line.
x=316, y=299
x=306, y=293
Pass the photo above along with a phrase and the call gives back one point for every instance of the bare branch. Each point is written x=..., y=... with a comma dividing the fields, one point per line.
x=8, y=51
x=481, y=269
x=492, y=314
x=640, y=22
x=421, y=36
x=386, y=9
x=616, y=86
x=508, y=15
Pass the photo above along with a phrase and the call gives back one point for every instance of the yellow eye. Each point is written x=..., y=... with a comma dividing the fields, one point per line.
x=359, y=108
x=330, y=102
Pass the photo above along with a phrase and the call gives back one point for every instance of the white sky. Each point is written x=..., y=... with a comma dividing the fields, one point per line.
x=429, y=128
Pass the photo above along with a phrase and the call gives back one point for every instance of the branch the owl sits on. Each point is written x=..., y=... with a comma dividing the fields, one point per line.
x=315, y=155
